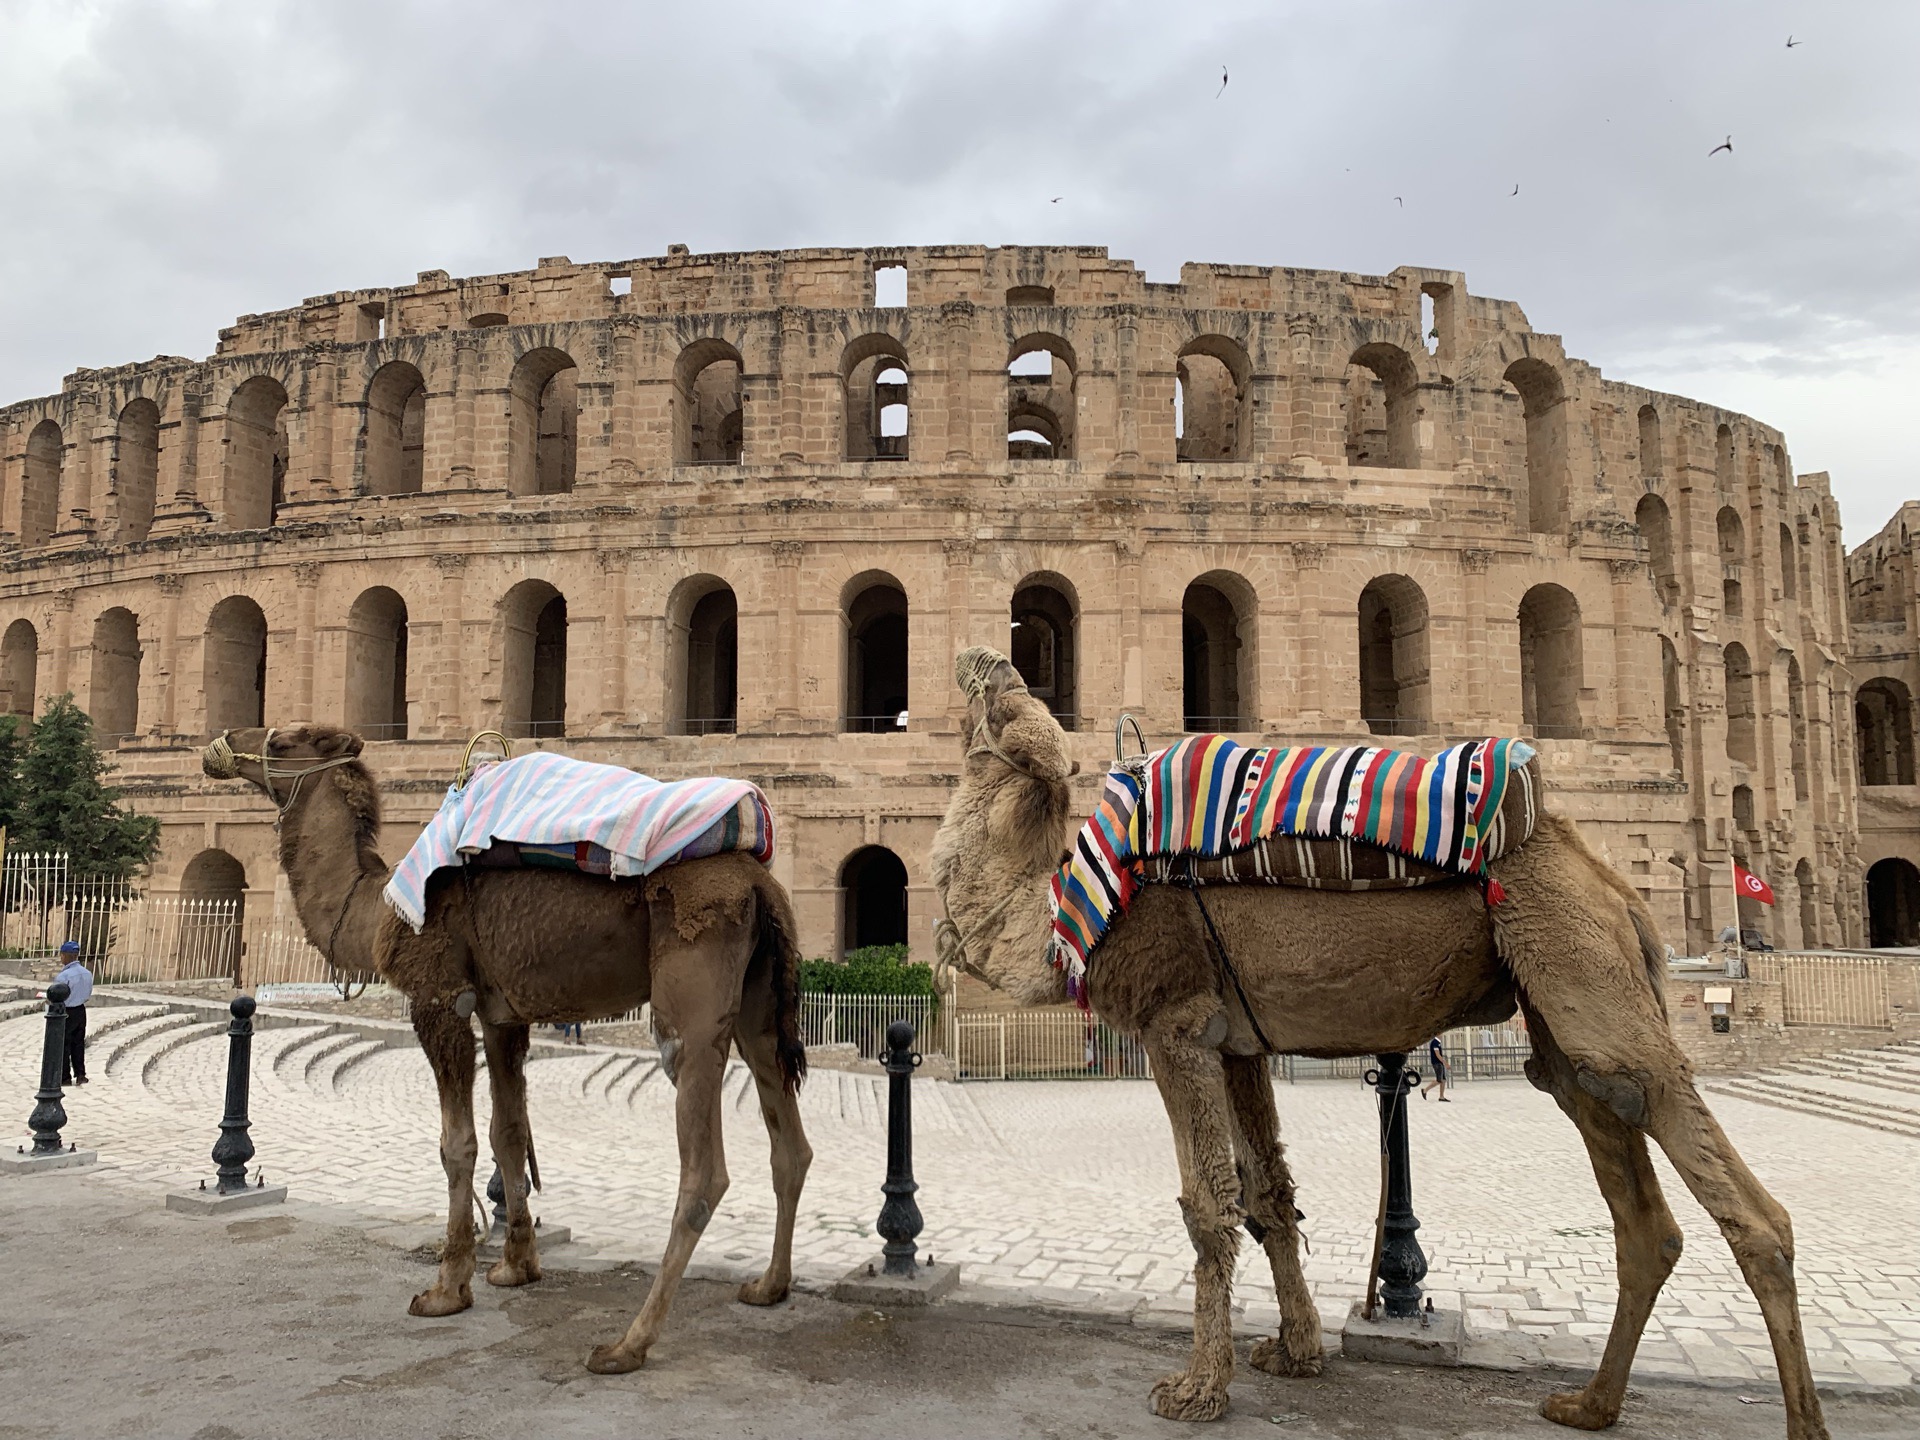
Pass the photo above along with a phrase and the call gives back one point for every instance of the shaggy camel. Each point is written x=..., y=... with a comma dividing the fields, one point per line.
x=1331, y=973
x=710, y=942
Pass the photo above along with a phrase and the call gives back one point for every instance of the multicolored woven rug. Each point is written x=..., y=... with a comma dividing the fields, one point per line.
x=1364, y=818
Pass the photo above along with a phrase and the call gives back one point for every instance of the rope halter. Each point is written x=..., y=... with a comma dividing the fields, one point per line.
x=222, y=762
x=971, y=669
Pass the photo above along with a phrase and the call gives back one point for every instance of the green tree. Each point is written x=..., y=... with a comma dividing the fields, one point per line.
x=63, y=802
x=13, y=745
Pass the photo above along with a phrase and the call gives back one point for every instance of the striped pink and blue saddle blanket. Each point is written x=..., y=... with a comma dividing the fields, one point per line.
x=1330, y=818
x=549, y=810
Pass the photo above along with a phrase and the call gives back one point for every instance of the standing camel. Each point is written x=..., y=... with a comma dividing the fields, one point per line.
x=710, y=942
x=1332, y=973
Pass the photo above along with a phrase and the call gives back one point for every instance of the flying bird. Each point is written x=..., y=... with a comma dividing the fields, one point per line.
x=1791, y=42
x=1516, y=191
x=1056, y=199
x=1223, y=83
x=1726, y=145
x=1398, y=201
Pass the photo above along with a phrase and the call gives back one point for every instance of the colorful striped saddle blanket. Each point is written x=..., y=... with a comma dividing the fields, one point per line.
x=1330, y=818
x=549, y=810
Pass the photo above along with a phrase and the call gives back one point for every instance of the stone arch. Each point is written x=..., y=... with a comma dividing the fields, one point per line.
x=1045, y=643
x=1655, y=523
x=113, y=680
x=1883, y=731
x=256, y=462
x=1395, y=678
x=533, y=661
x=19, y=669
x=873, y=886
x=1552, y=662
x=1893, y=903
x=1218, y=658
x=396, y=429
x=1211, y=422
x=1731, y=533
x=1673, y=704
x=212, y=923
x=1742, y=743
x=1789, y=564
x=703, y=646
x=377, y=695
x=874, y=380
x=136, y=470
x=1652, y=457
x=543, y=422
x=1382, y=407
x=1041, y=408
x=234, y=665
x=1542, y=397
x=875, y=609
x=40, y=483
x=709, y=420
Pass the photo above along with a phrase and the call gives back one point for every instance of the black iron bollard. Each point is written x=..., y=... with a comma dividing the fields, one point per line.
x=1402, y=1264
x=497, y=1197
x=48, y=1113
x=234, y=1148
x=900, y=1221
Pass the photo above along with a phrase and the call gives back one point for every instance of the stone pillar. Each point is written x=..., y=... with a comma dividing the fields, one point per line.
x=73, y=518
x=1307, y=558
x=957, y=318
x=306, y=578
x=1127, y=385
x=1301, y=387
x=959, y=560
x=62, y=656
x=466, y=380
x=178, y=506
x=1628, y=699
x=1473, y=565
x=793, y=381
x=449, y=648
x=613, y=642
x=1133, y=657
x=622, y=446
x=787, y=555
x=166, y=683
x=324, y=477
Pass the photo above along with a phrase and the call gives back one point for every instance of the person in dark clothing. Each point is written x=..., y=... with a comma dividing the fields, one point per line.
x=1437, y=1058
x=79, y=982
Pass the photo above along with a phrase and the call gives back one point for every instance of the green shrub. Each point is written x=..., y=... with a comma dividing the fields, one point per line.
x=875, y=970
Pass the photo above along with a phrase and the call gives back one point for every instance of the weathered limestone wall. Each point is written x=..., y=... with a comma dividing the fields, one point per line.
x=1401, y=498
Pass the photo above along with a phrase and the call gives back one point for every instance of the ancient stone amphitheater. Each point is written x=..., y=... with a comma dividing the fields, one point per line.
x=737, y=512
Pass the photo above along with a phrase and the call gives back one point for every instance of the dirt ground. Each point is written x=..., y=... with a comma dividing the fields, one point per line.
x=121, y=1319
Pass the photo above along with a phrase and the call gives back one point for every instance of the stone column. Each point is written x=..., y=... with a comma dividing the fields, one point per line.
x=613, y=642
x=73, y=518
x=166, y=690
x=466, y=381
x=1307, y=558
x=62, y=646
x=449, y=647
x=1300, y=387
x=958, y=553
x=325, y=475
x=1473, y=566
x=622, y=449
x=1627, y=706
x=957, y=318
x=178, y=506
x=793, y=381
x=306, y=578
x=1127, y=384
x=1133, y=657
x=787, y=555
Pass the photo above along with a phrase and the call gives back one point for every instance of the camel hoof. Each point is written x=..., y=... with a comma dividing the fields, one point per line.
x=436, y=1302
x=1182, y=1397
x=763, y=1292
x=1272, y=1356
x=1571, y=1407
x=612, y=1360
x=505, y=1275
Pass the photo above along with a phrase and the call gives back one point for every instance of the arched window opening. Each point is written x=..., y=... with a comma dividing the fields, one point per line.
x=1650, y=454
x=1789, y=564
x=235, y=665
x=1040, y=399
x=19, y=669
x=1809, y=896
x=487, y=320
x=1030, y=295
x=1673, y=707
x=709, y=423
x=1723, y=458
x=40, y=484
x=1743, y=820
x=877, y=659
x=1893, y=904
x=709, y=700
x=1210, y=400
x=1656, y=524
x=113, y=684
x=1214, y=659
x=1741, y=717
x=543, y=423
x=533, y=677
x=377, y=665
x=1044, y=620
x=1797, y=725
x=214, y=887
x=136, y=468
x=1883, y=731
x=1395, y=684
x=889, y=287
x=1732, y=533
x=1429, y=323
x=396, y=431
x=256, y=469
x=874, y=885
x=876, y=399
x=1552, y=663
x=1541, y=398
x=1732, y=599
x=1382, y=408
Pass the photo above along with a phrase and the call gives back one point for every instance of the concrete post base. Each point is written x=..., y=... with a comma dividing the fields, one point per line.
x=1438, y=1338
x=30, y=1164
x=210, y=1202
x=870, y=1284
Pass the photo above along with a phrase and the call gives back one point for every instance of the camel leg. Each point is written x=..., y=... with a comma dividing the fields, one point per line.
x=1646, y=1239
x=1194, y=1092
x=1267, y=1193
x=759, y=1039
x=448, y=1041
x=519, y=1262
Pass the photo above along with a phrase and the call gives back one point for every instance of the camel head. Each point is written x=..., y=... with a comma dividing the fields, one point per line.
x=1004, y=833
x=279, y=762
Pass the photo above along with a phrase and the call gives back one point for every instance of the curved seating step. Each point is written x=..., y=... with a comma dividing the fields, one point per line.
x=326, y=1075
x=1761, y=1094
x=314, y=1055
x=126, y=1041
x=1839, y=1093
x=294, y=1053
x=172, y=1040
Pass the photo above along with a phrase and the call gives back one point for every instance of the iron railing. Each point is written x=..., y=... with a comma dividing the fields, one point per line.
x=893, y=724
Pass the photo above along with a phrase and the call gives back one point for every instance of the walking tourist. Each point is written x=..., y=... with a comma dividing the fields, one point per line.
x=1437, y=1058
x=79, y=982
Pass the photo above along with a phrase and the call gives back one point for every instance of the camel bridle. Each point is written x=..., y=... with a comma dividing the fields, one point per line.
x=222, y=762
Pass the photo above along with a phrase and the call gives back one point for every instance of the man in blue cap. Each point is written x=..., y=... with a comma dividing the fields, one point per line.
x=79, y=982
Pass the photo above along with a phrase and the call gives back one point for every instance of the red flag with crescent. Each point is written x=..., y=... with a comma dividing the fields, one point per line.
x=1751, y=885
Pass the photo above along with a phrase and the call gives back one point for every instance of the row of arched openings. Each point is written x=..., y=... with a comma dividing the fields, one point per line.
x=1730, y=529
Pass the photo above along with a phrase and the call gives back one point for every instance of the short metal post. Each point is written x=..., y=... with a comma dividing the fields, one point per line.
x=900, y=1222
x=1402, y=1264
x=48, y=1113
x=234, y=1148
x=497, y=1196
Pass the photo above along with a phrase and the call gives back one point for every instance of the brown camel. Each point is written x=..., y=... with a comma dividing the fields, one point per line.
x=709, y=942
x=1331, y=973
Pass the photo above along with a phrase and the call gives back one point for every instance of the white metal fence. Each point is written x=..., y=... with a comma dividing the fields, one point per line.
x=862, y=1020
x=1843, y=990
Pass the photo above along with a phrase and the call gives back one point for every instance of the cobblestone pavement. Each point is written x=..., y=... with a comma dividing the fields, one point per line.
x=1054, y=1194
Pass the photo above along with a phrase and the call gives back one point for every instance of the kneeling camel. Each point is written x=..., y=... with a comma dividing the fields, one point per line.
x=711, y=943
x=1330, y=973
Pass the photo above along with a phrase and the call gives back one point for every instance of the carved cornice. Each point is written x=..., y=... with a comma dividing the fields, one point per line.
x=1307, y=554
x=1475, y=562
x=450, y=563
x=787, y=553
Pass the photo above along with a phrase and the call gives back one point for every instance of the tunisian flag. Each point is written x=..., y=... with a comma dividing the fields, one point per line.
x=1751, y=885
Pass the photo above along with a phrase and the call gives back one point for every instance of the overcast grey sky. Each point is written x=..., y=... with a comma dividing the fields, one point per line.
x=167, y=166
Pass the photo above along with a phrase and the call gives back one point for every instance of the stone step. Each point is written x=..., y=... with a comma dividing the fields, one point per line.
x=1847, y=1087
x=333, y=1068
x=125, y=1042
x=14, y=1009
x=649, y=1072
x=118, y=1017
x=314, y=1056
x=1886, y=1077
x=614, y=1075
x=293, y=1055
x=175, y=1039
x=1762, y=1094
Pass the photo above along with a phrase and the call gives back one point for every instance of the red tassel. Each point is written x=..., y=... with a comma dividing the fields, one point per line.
x=1496, y=893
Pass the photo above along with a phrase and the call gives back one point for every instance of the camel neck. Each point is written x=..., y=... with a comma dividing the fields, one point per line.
x=336, y=882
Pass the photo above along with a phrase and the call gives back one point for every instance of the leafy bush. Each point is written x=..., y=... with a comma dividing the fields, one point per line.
x=874, y=970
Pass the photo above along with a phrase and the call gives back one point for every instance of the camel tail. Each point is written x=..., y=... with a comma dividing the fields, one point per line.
x=781, y=951
x=1653, y=954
